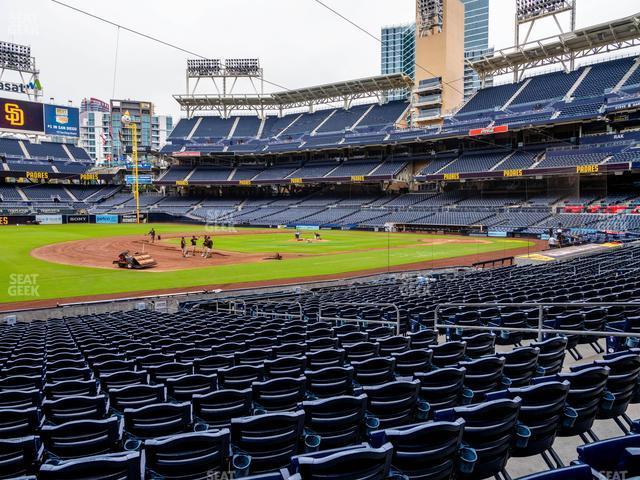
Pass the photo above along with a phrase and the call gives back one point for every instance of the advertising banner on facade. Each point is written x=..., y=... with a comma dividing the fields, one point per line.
x=16, y=220
x=62, y=121
x=21, y=116
x=131, y=218
x=142, y=179
x=77, y=218
x=106, y=218
x=49, y=219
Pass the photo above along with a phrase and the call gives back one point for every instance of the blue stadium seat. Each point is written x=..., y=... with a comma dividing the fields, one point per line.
x=544, y=410
x=268, y=440
x=426, y=451
x=183, y=388
x=216, y=409
x=71, y=388
x=412, y=361
x=577, y=472
x=330, y=381
x=83, y=438
x=279, y=394
x=484, y=375
x=21, y=422
x=480, y=345
x=129, y=465
x=158, y=420
x=443, y=388
x=586, y=394
x=136, y=396
x=240, y=377
x=339, y=421
x=188, y=455
x=616, y=455
x=520, y=365
x=75, y=408
x=448, y=354
x=360, y=461
x=551, y=356
x=19, y=456
x=394, y=403
x=287, y=366
x=374, y=371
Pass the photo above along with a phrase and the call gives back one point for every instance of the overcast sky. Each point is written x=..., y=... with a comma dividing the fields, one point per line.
x=299, y=43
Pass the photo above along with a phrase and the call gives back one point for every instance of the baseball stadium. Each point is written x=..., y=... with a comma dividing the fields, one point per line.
x=428, y=273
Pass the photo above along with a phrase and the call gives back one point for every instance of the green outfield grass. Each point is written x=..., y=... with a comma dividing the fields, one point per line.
x=53, y=280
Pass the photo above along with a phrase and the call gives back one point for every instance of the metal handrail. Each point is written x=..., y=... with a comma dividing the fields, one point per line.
x=540, y=330
x=349, y=304
x=274, y=314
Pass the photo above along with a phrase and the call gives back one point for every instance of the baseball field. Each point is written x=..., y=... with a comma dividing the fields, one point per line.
x=43, y=263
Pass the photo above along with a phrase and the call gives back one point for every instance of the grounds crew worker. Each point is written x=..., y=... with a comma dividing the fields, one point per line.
x=183, y=247
x=194, y=241
x=206, y=246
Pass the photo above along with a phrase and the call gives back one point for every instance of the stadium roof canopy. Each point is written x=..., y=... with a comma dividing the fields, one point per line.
x=563, y=48
x=344, y=92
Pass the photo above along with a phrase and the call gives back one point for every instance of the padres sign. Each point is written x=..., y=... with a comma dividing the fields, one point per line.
x=20, y=116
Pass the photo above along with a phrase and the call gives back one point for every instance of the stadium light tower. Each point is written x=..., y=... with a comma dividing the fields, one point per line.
x=528, y=12
x=126, y=121
x=17, y=58
x=225, y=75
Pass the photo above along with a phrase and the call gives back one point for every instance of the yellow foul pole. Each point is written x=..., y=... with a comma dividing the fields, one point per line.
x=126, y=120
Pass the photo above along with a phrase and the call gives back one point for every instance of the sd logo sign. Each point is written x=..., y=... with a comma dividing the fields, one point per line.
x=14, y=114
x=20, y=116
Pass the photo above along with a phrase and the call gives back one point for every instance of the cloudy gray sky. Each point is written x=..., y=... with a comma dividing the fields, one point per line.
x=298, y=42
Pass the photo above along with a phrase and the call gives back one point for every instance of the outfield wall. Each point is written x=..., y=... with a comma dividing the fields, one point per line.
x=62, y=219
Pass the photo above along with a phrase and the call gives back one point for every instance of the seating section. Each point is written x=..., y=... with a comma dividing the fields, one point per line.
x=213, y=128
x=541, y=99
x=10, y=148
x=352, y=389
x=489, y=98
x=547, y=87
x=602, y=77
x=382, y=116
x=475, y=162
x=616, y=213
x=46, y=150
x=247, y=127
x=183, y=128
x=343, y=119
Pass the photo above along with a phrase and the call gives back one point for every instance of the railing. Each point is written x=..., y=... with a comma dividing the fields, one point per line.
x=493, y=262
x=359, y=320
x=540, y=330
x=246, y=307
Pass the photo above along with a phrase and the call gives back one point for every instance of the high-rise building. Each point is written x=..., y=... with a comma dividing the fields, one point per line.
x=152, y=130
x=399, y=44
x=476, y=40
x=94, y=105
x=102, y=135
x=399, y=53
x=439, y=82
x=95, y=117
